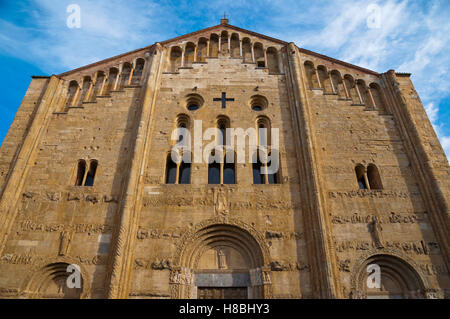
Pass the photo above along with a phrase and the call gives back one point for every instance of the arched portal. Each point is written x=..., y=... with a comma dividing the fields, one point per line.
x=396, y=279
x=221, y=260
x=51, y=282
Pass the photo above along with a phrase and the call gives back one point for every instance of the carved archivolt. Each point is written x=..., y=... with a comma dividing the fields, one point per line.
x=250, y=240
x=217, y=231
x=45, y=269
x=395, y=259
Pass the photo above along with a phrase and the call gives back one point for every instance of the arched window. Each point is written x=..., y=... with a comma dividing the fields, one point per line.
x=189, y=52
x=223, y=123
x=377, y=99
x=259, y=55
x=214, y=46
x=125, y=75
x=85, y=89
x=83, y=176
x=222, y=168
x=360, y=176
x=272, y=60
x=214, y=176
x=338, y=84
x=258, y=176
x=311, y=75
x=351, y=89
x=175, y=58
x=171, y=170
x=374, y=177
x=229, y=168
x=71, y=93
x=263, y=130
x=98, y=84
x=247, y=50
x=81, y=170
x=182, y=122
x=362, y=89
x=224, y=42
x=234, y=46
x=111, y=82
x=178, y=173
x=324, y=79
x=138, y=70
x=202, y=50
x=91, y=173
x=266, y=171
x=185, y=173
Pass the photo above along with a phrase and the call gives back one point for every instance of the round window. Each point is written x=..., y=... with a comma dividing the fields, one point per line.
x=193, y=102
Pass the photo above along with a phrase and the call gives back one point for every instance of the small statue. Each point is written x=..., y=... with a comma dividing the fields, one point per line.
x=64, y=243
x=375, y=229
x=222, y=259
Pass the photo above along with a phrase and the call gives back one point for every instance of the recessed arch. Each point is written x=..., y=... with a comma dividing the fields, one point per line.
x=375, y=90
x=202, y=48
x=214, y=46
x=175, y=58
x=189, y=52
x=272, y=60
x=399, y=279
x=247, y=50
x=138, y=70
x=258, y=50
x=311, y=75
x=224, y=42
x=50, y=281
x=234, y=45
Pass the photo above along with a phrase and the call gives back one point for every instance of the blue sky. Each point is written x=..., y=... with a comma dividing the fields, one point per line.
x=413, y=36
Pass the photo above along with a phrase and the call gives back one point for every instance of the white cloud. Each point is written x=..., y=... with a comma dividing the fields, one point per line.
x=107, y=28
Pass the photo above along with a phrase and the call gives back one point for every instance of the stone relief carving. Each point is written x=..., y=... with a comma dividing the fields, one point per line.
x=256, y=204
x=31, y=259
x=221, y=204
x=64, y=244
x=181, y=276
x=371, y=194
x=344, y=265
x=143, y=233
x=432, y=270
x=29, y=225
x=356, y=218
x=69, y=196
x=288, y=266
x=221, y=259
x=375, y=231
x=281, y=235
x=416, y=247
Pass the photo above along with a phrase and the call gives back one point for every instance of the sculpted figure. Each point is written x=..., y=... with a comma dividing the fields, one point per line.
x=375, y=229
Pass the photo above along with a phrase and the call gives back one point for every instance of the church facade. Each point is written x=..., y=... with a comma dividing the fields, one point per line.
x=99, y=201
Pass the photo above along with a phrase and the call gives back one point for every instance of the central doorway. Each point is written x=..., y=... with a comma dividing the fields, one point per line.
x=220, y=261
x=222, y=293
